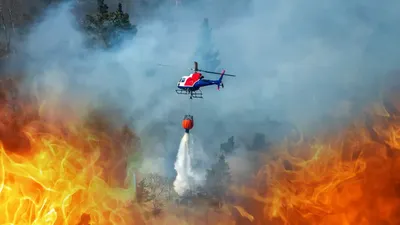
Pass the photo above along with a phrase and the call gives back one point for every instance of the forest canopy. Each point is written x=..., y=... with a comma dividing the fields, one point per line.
x=108, y=29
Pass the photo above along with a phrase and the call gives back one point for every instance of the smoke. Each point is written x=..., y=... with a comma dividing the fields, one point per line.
x=297, y=62
x=187, y=176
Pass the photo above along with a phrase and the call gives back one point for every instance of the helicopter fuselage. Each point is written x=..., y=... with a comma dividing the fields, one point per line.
x=190, y=85
x=194, y=82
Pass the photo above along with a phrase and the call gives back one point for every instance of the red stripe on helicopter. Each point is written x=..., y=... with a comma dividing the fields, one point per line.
x=190, y=81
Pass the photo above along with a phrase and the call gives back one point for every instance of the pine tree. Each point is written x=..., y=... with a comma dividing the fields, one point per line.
x=102, y=7
x=122, y=25
x=120, y=8
x=206, y=55
x=108, y=28
x=228, y=147
x=218, y=179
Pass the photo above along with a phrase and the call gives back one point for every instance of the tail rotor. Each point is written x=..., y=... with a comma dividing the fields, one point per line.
x=220, y=79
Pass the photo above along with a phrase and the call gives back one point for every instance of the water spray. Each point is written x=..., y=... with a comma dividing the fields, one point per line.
x=183, y=166
x=186, y=176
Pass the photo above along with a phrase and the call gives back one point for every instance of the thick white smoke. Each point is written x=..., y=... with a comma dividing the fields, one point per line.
x=187, y=177
x=298, y=62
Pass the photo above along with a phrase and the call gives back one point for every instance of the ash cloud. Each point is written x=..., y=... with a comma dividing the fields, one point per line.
x=297, y=62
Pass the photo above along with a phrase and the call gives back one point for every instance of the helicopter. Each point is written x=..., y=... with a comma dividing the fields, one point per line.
x=190, y=85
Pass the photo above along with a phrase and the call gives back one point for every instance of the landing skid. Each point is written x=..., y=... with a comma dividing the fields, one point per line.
x=193, y=94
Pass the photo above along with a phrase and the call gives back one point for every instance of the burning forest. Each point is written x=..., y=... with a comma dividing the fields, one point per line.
x=76, y=171
x=90, y=126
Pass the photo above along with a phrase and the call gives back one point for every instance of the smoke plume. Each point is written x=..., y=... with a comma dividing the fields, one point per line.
x=296, y=62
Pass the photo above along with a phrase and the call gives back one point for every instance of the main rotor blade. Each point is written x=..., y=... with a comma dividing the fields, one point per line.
x=205, y=71
x=229, y=75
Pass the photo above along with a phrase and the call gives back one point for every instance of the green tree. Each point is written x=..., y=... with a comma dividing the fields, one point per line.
x=206, y=55
x=218, y=180
x=106, y=28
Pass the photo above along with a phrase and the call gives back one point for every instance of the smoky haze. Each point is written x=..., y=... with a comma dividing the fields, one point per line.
x=297, y=62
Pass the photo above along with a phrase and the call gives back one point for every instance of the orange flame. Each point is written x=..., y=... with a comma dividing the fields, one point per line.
x=60, y=174
x=63, y=172
x=350, y=178
x=58, y=184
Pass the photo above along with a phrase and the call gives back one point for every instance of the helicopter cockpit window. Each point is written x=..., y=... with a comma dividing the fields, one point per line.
x=182, y=80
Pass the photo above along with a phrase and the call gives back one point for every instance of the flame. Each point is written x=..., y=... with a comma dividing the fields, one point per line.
x=53, y=173
x=62, y=171
x=57, y=185
x=349, y=177
x=244, y=213
x=56, y=168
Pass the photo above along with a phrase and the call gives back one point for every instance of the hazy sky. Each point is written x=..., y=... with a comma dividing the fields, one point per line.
x=296, y=61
